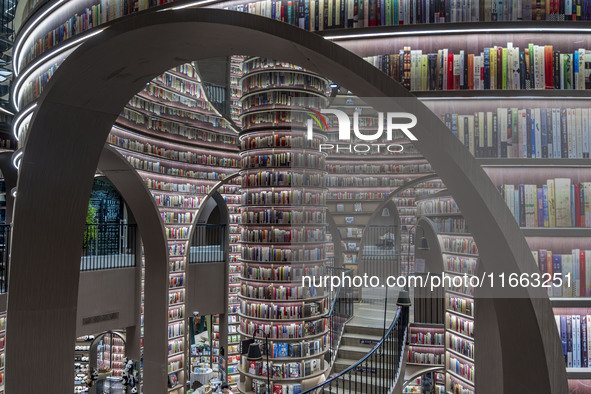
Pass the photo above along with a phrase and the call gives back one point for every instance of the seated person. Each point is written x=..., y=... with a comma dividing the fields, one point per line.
x=388, y=239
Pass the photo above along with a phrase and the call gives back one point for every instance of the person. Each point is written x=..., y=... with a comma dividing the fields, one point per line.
x=225, y=388
x=388, y=239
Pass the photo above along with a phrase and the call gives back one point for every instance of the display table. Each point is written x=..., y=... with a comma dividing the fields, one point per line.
x=203, y=376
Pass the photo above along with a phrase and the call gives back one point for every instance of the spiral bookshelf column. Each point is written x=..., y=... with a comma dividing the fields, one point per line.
x=283, y=225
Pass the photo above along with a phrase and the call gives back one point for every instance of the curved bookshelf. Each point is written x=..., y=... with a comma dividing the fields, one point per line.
x=298, y=166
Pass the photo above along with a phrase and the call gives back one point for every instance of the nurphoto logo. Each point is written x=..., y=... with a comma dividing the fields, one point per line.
x=344, y=123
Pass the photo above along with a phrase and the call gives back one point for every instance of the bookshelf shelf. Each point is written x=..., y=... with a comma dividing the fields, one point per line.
x=288, y=380
x=462, y=28
x=459, y=294
x=459, y=354
x=578, y=373
x=463, y=380
x=461, y=335
x=421, y=345
x=571, y=302
x=500, y=94
x=459, y=314
x=527, y=162
x=298, y=300
x=304, y=338
x=291, y=319
x=459, y=254
x=435, y=215
x=271, y=280
x=279, y=262
x=556, y=231
x=425, y=364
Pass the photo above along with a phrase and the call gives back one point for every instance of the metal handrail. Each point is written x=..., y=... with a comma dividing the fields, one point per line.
x=401, y=315
x=108, y=246
x=331, y=314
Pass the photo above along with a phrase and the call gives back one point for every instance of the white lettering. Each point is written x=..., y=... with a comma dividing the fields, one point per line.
x=402, y=127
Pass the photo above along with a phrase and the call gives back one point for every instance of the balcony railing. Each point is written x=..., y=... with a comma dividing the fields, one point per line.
x=379, y=254
x=208, y=244
x=427, y=303
x=108, y=246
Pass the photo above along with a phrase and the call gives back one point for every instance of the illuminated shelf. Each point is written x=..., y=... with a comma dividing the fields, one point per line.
x=464, y=380
x=493, y=94
x=459, y=354
x=578, y=373
x=571, y=302
x=279, y=321
x=465, y=28
x=556, y=231
x=526, y=162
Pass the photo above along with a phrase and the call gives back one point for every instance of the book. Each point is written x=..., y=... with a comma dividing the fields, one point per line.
x=280, y=350
x=563, y=202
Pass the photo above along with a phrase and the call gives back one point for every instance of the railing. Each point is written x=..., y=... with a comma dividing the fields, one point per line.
x=4, y=256
x=427, y=303
x=208, y=244
x=341, y=310
x=379, y=253
x=108, y=246
x=378, y=371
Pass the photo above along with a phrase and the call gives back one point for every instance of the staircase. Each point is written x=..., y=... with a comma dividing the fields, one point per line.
x=360, y=336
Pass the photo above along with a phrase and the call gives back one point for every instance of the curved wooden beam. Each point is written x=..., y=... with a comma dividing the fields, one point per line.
x=84, y=98
x=153, y=236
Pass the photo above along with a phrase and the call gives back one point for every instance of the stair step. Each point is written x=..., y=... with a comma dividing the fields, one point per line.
x=361, y=340
x=373, y=384
x=340, y=390
x=343, y=363
x=351, y=352
x=364, y=327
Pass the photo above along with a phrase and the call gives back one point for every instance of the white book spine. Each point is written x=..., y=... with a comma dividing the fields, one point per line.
x=579, y=134
x=538, y=135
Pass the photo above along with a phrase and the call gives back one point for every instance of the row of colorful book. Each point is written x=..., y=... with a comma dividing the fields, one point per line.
x=542, y=133
x=534, y=67
x=558, y=203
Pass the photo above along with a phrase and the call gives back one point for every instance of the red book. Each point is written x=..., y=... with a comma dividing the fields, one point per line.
x=549, y=73
x=583, y=274
x=450, y=71
x=372, y=12
x=542, y=261
x=582, y=205
x=577, y=222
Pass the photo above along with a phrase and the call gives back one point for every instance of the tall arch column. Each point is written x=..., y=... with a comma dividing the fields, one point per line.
x=151, y=230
